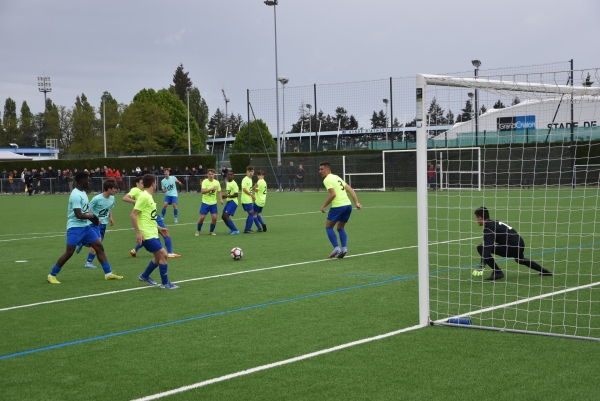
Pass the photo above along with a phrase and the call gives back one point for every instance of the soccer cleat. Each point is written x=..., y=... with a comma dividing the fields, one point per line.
x=52, y=279
x=148, y=281
x=248, y=232
x=545, y=272
x=259, y=230
x=496, y=275
x=169, y=286
x=173, y=256
x=264, y=227
x=335, y=253
x=133, y=253
x=212, y=233
x=342, y=254
x=176, y=221
x=89, y=265
x=112, y=276
x=234, y=232
x=197, y=233
x=78, y=249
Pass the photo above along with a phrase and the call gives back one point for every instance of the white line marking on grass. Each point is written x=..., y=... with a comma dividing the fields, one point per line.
x=522, y=301
x=215, y=276
x=275, y=364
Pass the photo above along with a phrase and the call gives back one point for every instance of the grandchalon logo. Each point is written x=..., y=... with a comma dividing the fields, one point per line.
x=517, y=123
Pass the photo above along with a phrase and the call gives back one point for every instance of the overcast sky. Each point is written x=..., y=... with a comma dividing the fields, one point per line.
x=91, y=46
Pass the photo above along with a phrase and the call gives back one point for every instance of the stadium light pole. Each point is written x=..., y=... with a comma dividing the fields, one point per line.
x=188, y=90
x=386, y=117
x=44, y=86
x=309, y=106
x=476, y=64
x=283, y=81
x=104, y=97
x=274, y=4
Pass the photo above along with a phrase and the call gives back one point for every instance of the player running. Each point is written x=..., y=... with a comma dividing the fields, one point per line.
x=248, y=199
x=503, y=240
x=210, y=189
x=231, y=205
x=131, y=197
x=259, y=203
x=168, y=185
x=143, y=218
x=80, y=231
x=101, y=206
x=340, y=209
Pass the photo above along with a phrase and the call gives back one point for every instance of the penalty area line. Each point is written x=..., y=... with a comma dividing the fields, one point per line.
x=275, y=364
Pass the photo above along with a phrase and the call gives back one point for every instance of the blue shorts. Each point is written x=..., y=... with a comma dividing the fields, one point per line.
x=258, y=209
x=341, y=213
x=230, y=208
x=171, y=200
x=160, y=221
x=248, y=206
x=208, y=209
x=100, y=230
x=81, y=235
x=152, y=245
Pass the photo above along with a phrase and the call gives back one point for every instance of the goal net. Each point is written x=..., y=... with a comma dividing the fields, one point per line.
x=539, y=169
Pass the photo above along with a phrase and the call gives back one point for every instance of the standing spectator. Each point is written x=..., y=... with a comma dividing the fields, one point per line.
x=138, y=172
x=5, y=183
x=154, y=170
x=279, y=177
x=70, y=179
x=125, y=187
x=201, y=174
x=11, y=181
x=161, y=171
x=300, y=177
x=430, y=176
x=186, y=178
x=292, y=176
x=28, y=182
x=438, y=176
x=118, y=178
x=224, y=172
x=193, y=179
x=59, y=181
x=52, y=177
x=16, y=186
x=145, y=171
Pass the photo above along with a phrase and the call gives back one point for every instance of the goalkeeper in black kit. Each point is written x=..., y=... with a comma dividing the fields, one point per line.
x=503, y=240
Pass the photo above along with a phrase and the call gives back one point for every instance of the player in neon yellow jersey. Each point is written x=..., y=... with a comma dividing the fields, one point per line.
x=211, y=188
x=231, y=204
x=248, y=199
x=340, y=209
x=261, y=200
x=143, y=218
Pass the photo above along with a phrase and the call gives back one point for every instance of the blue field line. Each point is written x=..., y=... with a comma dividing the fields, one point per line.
x=189, y=319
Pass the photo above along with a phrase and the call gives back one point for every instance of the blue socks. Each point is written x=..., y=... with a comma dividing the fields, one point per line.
x=91, y=257
x=106, y=267
x=168, y=244
x=163, y=273
x=212, y=228
x=149, y=269
x=200, y=227
x=260, y=220
x=343, y=237
x=137, y=247
x=257, y=222
x=164, y=211
x=249, y=221
x=55, y=270
x=176, y=212
x=332, y=237
x=230, y=225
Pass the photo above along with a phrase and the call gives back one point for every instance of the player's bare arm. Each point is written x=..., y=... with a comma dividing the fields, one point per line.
x=86, y=216
x=330, y=199
x=128, y=199
x=110, y=218
x=138, y=234
x=354, y=197
x=164, y=231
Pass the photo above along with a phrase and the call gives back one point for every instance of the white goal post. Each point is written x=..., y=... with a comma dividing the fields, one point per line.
x=537, y=173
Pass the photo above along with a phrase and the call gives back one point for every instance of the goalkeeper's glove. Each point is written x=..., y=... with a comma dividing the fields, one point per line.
x=479, y=271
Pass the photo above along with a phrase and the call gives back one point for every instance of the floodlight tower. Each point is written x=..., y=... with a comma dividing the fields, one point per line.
x=309, y=106
x=283, y=81
x=274, y=4
x=227, y=100
x=44, y=86
x=188, y=90
x=386, y=117
x=104, y=98
x=476, y=64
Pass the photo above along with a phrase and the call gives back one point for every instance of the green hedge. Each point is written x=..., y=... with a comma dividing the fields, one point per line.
x=127, y=163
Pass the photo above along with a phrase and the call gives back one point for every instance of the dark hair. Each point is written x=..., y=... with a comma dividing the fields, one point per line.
x=211, y=170
x=482, y=212
x=148, y=180
x=325, y=164
x=81, y=175
x=138, y=179
x=108, y=184
x=250, y=168
x=260, y=172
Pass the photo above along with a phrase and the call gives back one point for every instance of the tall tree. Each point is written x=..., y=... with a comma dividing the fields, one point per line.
x=114, y=139
x=378, y=120
x=435, y=114
x=466, y=112
x=260, y=137
x=27, y=127
x=217, y=126
x=515, y=101
x=145, y=127
x=450, y=117
x=86, y=135
x=499, y=104
x=10, y=122
x=235, y=124
x=482, y=109
x=181, y=83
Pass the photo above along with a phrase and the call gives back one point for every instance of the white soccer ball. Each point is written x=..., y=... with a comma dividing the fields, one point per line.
x=237, y=253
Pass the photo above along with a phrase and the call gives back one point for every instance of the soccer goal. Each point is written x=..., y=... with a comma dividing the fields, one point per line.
x=530, y=143
x=363, y=173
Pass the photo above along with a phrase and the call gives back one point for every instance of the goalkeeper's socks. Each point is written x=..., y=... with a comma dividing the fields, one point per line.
x=332, y=237
x=91, y=257
x=168, y=244
x=149, y=269
x=163, y=273
x=343, y=237
x=106, y=267
x=163, y=212
x=55, y=270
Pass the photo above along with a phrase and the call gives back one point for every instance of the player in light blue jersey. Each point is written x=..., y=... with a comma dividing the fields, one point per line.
x=80, y=231
x=101, y=206
x=169, y=187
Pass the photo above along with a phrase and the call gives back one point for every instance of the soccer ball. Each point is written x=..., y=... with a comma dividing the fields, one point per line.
x=237, y=253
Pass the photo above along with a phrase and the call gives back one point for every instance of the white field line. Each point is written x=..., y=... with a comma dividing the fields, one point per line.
x=274, y=365
x=215, y=276
x=63, y=233
x=522, y=301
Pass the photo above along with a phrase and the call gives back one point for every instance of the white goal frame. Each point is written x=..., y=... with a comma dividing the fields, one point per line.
x=348, y=177
x=582, y=167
